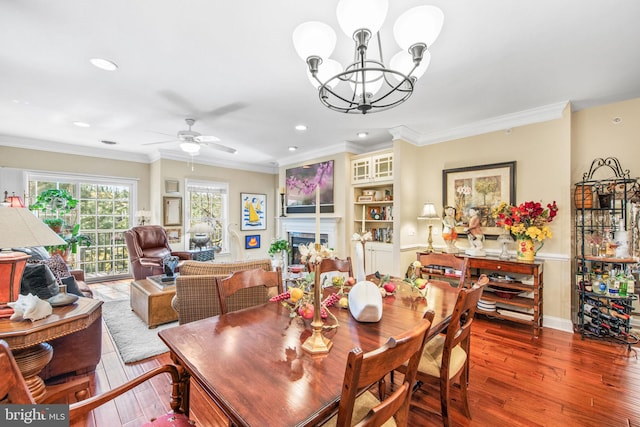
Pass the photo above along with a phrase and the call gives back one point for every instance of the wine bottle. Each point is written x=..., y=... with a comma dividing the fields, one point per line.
x=596, y=330
x=593, y=301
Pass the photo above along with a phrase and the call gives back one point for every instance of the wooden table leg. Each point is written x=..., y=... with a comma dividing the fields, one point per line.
x=31, y=361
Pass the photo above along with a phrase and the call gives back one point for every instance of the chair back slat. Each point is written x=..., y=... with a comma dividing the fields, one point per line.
x=248, y=288
x=448, y=261
x=328, y=265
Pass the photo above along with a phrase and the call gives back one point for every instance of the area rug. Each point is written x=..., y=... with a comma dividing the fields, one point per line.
x=133, y=339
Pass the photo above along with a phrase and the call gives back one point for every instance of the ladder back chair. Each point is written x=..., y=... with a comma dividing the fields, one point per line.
x=330, y=265
x=445, y=358
x=365, y=370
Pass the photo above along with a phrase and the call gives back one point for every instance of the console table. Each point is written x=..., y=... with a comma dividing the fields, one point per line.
x=28, y=340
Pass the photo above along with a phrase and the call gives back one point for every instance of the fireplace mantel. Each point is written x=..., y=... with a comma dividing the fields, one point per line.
x=328, y=226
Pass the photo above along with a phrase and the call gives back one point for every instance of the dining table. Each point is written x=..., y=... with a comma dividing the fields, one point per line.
x=251, y=365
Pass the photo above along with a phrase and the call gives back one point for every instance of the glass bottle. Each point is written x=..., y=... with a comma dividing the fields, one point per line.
x=631, y=282
x=599, y=285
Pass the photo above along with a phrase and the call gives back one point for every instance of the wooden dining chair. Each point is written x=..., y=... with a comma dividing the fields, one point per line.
x=364, y=370
x=248, y=288
x=445, y=357
x=14, y=389
x=446, y=261
x=329, y=265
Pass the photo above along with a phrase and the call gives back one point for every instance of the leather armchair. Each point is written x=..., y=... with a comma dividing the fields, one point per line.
x=148, y=246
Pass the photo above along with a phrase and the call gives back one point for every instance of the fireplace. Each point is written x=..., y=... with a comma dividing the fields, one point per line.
x=296, y=239
x=302, y=230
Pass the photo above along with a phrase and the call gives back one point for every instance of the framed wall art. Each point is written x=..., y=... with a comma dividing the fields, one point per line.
x=301, y=183
x=252, y=241
x=254, y=211
x=171, y=186
x=174, y=234
x=172, y=210
x=480, y=187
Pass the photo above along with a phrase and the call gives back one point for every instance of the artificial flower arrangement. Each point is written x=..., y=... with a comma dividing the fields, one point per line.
x=299, y=299
x=528, y=220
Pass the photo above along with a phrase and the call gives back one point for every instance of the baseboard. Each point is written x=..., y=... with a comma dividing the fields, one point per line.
x=557, y=323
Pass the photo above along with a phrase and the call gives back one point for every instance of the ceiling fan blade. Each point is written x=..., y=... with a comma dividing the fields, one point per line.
x=220, y=147
x=179, y=101
x=160, y=142
x=226, y=109
x=206, y=138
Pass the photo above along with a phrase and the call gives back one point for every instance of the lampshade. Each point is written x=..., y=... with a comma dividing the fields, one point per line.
x=358, y=14
x=143, y=214
x=314, y=39
x=19, y=228
x=200, y=228
x=15, y=202
x=428, y=211
x=420, y=24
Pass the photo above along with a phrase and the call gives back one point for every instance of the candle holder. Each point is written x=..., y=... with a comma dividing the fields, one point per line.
x=317, y=343
x=282, y=214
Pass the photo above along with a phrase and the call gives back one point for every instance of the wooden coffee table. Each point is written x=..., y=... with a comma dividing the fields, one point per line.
x=152, y=303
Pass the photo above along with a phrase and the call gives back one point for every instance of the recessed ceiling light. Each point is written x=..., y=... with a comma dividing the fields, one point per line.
x=82, y=124
x=301, y=127
x=104, y=64
x=362, y=134
x=293, y=148
x=104, y=141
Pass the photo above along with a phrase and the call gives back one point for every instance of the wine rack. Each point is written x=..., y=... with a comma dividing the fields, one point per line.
x=606, y=245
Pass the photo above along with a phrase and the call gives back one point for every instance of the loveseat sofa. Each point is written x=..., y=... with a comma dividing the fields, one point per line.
x=196, y=292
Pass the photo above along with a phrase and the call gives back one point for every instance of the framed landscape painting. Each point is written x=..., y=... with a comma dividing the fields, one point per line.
x=254, y=211
x=480, y=187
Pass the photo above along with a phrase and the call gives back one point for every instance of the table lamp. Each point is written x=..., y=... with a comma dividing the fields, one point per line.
x=143, y=216
x=505, y=239
x=429, y=213
x=19, y=228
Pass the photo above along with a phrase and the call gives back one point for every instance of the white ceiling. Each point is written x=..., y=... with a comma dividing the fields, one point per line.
x=232, y=66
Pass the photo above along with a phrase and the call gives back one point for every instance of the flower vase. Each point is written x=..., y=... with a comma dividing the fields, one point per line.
x=525, y=250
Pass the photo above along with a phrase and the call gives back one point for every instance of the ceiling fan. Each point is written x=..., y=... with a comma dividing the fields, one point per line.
x=191, y=141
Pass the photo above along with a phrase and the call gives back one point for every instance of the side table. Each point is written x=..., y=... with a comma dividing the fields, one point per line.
x=203, y=254
x=28, y=340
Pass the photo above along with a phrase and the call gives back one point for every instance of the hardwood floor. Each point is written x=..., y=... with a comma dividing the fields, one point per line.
x=515, y=380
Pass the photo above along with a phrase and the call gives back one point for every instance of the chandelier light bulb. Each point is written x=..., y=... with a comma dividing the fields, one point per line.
x=354, y=15
x=403, y=62
x=421, y=24
x=326, y=70
x=314, y=39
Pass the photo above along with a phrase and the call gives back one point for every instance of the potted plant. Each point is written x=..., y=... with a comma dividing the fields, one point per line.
x=74, y=238
x=54, y=223
x=54, y=201
x=279, y=246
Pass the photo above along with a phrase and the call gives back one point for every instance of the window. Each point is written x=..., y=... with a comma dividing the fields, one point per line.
x=208, y=202
x=104, y=213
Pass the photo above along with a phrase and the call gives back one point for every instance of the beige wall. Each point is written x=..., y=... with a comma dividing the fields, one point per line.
x=550, y=156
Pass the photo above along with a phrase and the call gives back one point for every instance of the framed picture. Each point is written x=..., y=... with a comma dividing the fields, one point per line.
x=252, y=241
x=480, y=187
x=172, y=210
x=174, y=234
x=254, y=211
x=301, y=187
x=171, y=186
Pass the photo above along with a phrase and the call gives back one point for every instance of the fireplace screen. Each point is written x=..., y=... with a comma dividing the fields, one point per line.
x=297, y=239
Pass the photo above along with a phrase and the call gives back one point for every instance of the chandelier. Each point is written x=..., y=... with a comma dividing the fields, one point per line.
x=367, y=84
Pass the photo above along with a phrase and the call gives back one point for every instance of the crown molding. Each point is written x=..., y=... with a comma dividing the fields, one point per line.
x=520, y=118
x=61, y=147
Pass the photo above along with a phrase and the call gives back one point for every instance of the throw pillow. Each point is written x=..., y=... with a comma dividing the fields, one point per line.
x=58, y=267
x=38, y=279
x=72, y=286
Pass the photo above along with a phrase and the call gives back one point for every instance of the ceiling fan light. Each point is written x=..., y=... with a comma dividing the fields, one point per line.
x=328, y=69
x=190, y=147
x=403, y=62
x=357, y=14
x=314, y=38
x=420, y=24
